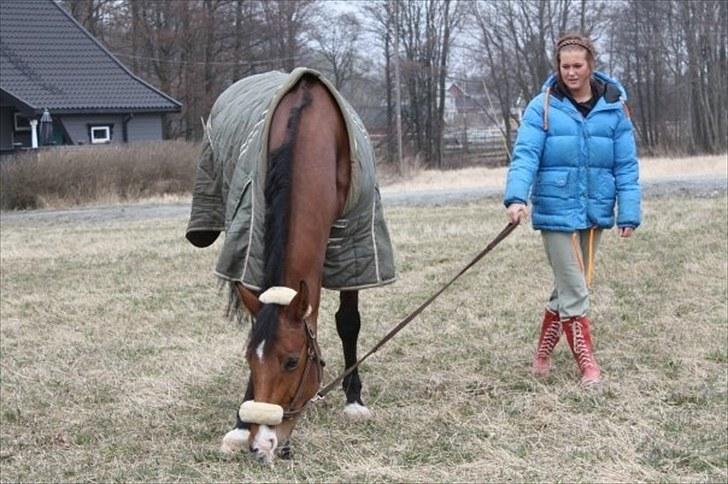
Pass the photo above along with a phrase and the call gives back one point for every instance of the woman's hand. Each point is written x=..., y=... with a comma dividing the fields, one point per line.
x=626, y=232
x=516, y=212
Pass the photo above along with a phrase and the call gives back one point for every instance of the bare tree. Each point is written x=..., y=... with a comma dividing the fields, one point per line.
x=449, y=22
x=669, y=54
x=336, y=42
x=706, y=43
x=92, y=14
x=514, y=40
x=244, y=31
x=425, y=33
x=675, y=50
x=287, y=21
x=382, y=25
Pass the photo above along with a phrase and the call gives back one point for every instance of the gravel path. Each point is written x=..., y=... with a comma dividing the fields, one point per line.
x=688, y=187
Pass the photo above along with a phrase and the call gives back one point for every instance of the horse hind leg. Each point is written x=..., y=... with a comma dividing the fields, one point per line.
x=348, y=323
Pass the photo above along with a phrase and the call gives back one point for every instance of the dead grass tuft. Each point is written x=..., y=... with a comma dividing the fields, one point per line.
x=68, y=176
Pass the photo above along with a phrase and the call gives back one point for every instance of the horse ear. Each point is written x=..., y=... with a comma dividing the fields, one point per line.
x=248, y=298
x=299, y=307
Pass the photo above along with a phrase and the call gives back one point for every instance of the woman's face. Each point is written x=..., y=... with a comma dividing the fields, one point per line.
x=575, y=70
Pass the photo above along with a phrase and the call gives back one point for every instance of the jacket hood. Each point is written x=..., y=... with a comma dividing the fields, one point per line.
x=600, y=76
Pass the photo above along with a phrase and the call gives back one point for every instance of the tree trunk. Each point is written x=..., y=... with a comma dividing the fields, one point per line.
x=443, y=76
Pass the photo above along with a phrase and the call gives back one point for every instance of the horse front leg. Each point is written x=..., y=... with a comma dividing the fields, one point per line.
x=348, y=323
x=239, y=437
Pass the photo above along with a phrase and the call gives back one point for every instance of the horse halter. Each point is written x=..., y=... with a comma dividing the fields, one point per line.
x=313, y=357
x=270, y=413
x=264, y=413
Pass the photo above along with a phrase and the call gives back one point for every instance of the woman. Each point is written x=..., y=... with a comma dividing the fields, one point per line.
x=575, y=155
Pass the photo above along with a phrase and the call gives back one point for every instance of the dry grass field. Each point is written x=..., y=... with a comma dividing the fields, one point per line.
x=117, y=364
x=651, y=169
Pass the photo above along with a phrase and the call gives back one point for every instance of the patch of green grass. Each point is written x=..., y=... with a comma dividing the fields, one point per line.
x=718, y=356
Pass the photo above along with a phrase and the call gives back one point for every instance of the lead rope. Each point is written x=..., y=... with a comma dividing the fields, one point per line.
x=587, y=270
x=577, y=252
x=502, y=235
x=546, y=109
x=590, y=258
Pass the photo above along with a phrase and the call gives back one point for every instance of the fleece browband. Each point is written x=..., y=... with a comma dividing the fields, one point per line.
x=280, y=295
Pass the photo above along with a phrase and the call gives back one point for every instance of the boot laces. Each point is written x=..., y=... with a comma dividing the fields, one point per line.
x=550, y=338
x=583, y=352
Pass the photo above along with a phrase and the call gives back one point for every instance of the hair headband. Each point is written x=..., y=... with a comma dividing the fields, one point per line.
x=576, y=42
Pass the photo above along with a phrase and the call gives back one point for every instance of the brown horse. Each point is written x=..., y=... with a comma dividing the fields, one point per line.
x=306, y=187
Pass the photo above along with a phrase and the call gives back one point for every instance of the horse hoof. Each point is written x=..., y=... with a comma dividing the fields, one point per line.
x=357, y=411
x=234, y=441
x=285, y=452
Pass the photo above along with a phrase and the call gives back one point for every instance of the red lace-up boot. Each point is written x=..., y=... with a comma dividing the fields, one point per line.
x=578, y=335
x=550, y=334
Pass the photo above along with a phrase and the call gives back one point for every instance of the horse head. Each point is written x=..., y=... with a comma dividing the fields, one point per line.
x=285, y=365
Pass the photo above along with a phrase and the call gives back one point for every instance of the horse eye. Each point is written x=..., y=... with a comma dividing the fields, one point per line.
x=291, y=363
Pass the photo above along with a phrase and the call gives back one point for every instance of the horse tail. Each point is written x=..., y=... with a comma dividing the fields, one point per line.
x=278, y=194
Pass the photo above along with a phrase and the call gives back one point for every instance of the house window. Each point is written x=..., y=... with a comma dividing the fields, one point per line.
x=22, y=123
x=100, y=134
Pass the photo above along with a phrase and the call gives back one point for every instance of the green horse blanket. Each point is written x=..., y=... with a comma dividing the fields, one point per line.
x=228, y=193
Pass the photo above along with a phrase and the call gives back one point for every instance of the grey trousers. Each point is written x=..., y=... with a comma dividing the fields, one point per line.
x=571, y=256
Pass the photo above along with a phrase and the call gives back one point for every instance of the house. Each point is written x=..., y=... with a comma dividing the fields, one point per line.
x=459, y=103
x=59, y=85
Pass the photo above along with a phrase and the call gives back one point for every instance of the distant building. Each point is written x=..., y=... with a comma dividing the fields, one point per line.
x=459, y=103
x=50, y=64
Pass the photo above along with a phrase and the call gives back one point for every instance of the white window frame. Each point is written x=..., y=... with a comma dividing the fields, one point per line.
x=15, y=122
x=100, y=140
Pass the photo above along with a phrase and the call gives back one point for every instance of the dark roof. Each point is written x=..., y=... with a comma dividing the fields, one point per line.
x=48, y=60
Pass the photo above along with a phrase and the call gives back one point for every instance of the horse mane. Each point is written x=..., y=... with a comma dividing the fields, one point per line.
x=278, y=204
x=278, y=196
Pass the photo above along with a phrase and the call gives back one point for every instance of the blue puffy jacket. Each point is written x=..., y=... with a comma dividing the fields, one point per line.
x=577, y=166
